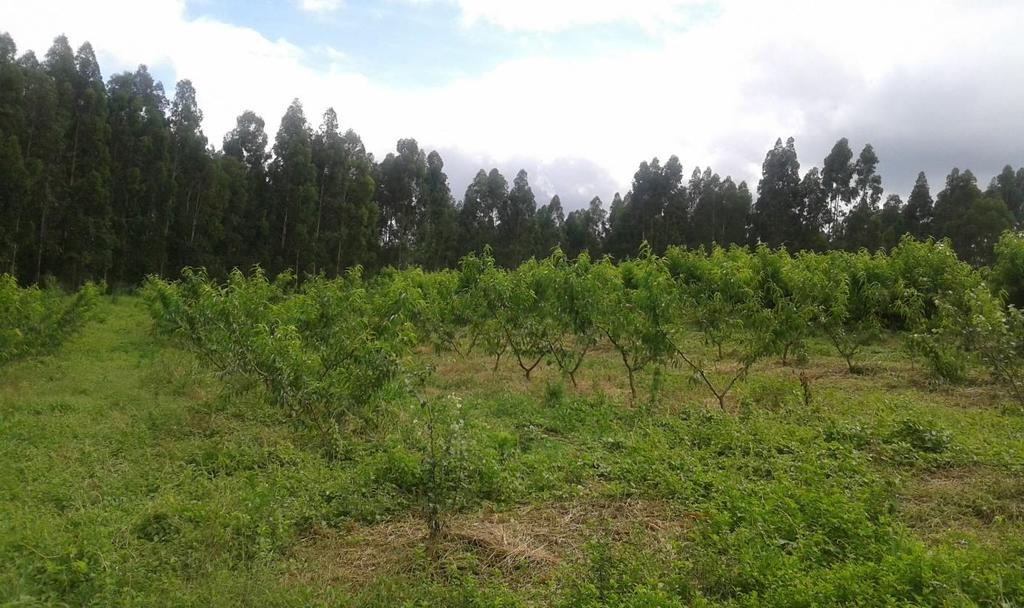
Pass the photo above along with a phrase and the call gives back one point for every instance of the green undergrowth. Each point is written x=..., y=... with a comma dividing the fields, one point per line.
x=132, y=476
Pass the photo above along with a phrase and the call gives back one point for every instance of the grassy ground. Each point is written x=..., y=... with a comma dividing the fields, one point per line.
x=130, y=476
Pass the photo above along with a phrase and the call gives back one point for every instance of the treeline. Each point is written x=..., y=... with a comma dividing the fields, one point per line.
x=113, y=181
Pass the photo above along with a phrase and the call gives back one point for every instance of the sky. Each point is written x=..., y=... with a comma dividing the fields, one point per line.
x=579, y=92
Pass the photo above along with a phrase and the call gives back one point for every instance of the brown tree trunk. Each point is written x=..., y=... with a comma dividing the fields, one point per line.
x=42, y=232
x=319, y=216
x=14, y=253
x=195, y=219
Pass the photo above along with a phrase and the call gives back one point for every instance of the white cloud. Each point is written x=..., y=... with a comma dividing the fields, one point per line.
x=320, y=6
x=933, y=80
x=558, y=15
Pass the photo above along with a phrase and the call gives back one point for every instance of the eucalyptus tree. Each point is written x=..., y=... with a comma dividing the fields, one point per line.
x=972, y=220
x=585, y=230
x=776, y=214
x=14, y=187
x=14, y=174
x=837, y=173
x=892, y=223
x=622, y=228
x=247, y=224
x=1009, y=185
x=140, y=155
x=40, y=149
x=189, y=174
x=550, y=227
x=516, y=222
x=658, y=200
x=12, y=88
x=356, y=237
x=437, y=230
x=706, y=197
x=58, y=156
x=476, y=220
x=737, y=203
x=867, y=182
x=248, y=142
x=814, y=211
x=478, y=214
x=399, y=180
x=917, y=213
x=861, y=228
x=293, y=183
x=89, y=238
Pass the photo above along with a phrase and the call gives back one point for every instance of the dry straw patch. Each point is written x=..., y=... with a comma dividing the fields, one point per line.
x=522, y=546
x=979, y=500
x=600, y=374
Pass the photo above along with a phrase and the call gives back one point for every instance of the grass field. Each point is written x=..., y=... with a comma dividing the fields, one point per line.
x=132, y=476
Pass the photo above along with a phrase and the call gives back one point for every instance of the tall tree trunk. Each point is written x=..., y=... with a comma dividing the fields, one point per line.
x=284, y=230
x=195, y=218
x=170, y=204
x=319, y=216
x=343, y=204
x=14, y=252
x=167, y=231
x=74, y=155
x=42, y=232
x=337, y=261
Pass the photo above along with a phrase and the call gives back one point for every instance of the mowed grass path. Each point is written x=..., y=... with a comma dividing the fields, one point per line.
x=130, y=476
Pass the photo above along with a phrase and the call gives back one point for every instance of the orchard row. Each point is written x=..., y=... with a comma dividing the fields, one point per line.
x=35, y=320
x=323, y=347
